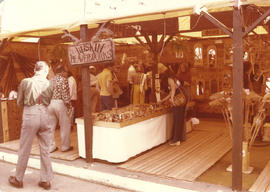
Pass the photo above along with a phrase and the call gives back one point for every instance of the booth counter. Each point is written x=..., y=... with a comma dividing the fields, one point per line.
x=117, y=142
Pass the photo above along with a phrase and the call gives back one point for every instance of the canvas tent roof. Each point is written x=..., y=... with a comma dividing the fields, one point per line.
x=42, y=18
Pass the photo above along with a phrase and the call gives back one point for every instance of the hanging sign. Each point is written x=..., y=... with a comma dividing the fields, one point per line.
x=212, y=32
x=91, y=52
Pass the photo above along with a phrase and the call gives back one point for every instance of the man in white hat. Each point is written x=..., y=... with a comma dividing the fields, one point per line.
x=34, y=94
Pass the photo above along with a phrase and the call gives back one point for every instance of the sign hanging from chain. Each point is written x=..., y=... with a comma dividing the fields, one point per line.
x=91, y=52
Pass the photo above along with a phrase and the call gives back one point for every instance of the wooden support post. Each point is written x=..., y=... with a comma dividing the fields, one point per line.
x=87, y=114
x=155, y=48
x=237, y=99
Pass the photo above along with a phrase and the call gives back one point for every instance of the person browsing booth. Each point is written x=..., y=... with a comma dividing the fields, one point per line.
x=34, y=95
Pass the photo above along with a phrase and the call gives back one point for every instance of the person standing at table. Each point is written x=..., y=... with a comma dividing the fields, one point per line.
x=104, y=82
x=184, y=76
x=139, y=85
x=60, y=109
x=130, y=73
x=34, y=94
x=171, y=85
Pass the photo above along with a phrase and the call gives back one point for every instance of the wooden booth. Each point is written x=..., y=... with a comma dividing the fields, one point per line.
x=216, y=63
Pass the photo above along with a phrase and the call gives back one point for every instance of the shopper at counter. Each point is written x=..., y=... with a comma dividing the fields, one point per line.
x=131, y=71
x=171, y=85
x=184, y=75
x=104, y=82
x=257, y=80
x=139, y=85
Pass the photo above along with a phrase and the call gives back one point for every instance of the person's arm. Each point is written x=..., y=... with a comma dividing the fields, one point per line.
x=109, y=81
x=20, y=96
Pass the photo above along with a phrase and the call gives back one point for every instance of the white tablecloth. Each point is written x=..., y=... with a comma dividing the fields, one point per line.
x=119, y=144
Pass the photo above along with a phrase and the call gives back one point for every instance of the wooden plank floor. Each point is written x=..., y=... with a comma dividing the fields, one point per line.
x=70, y=155
x=262, y=183
x=203, y=147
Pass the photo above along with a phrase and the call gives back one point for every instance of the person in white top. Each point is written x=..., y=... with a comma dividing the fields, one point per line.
x=73, y=94
x=131, y=71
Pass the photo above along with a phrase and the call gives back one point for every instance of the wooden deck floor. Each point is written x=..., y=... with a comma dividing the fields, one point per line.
x=262, y=183
x=70, y=155
x=204, y=146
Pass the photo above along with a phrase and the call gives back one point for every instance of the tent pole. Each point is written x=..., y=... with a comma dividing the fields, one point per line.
x=88, y=127
x=237, y=99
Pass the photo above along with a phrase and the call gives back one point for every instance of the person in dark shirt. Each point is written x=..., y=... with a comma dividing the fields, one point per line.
x=246, y=75
x=257, y=80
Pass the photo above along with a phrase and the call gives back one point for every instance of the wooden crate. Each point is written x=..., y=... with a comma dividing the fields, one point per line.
x=11, y=120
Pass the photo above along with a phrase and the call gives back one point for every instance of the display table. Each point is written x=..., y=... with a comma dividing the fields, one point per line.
x=118, y=143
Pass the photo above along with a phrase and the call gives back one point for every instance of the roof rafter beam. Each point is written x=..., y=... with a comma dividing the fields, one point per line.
x=161, y=42
x=216, y=22
x=141, y=42
x=149, y=42
x=168, y=40
x=256, y=23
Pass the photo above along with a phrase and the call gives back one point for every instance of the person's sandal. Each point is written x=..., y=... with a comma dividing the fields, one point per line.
x=14, y=182
x=44, y=185
x=175, y=143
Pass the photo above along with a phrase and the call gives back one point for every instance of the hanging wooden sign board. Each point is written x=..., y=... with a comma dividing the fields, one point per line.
x=91, y=52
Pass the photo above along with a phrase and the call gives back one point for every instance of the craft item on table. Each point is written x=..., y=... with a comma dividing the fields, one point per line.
x=130, y=112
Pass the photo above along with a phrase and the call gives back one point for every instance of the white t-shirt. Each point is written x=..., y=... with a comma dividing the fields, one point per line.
x=93, y=80
x=131, y=72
